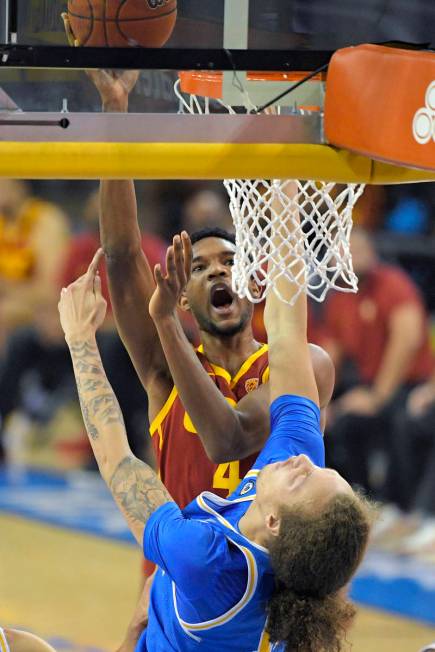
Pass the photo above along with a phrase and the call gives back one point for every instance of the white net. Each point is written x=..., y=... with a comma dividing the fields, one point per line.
x=276, y=227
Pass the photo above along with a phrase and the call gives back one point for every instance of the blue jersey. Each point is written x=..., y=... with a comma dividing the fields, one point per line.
x=213, y=584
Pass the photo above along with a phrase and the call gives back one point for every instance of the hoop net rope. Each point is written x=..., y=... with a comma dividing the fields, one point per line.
x=276, y=229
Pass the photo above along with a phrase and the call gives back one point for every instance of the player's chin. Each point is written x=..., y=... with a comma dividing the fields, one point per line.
x=229, y=326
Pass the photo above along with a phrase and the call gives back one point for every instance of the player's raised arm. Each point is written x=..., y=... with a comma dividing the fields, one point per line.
x=214, y=419
x=134, y=485
x=226, y=432
x=131, y=281
x=287, y=325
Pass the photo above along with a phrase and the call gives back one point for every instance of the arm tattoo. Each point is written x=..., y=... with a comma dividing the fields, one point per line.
x=134, y=485
x=97, y=400
x=137, y=489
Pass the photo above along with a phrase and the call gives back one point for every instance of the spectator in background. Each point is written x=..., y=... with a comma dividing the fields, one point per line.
x=35, y=379
x=120, y=371
x=409, y=524
x=206, y=208
x=34, y=235
x=383, y=332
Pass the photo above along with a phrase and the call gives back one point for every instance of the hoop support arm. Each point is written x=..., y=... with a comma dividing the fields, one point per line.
x=47, y=160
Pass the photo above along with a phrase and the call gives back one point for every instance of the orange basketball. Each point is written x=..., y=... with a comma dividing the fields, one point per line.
x=121, y=23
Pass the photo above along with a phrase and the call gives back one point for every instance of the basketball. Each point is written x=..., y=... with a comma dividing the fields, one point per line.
x=122, y=23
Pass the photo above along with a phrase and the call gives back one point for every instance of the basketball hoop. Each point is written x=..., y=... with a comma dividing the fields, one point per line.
x=268, y=239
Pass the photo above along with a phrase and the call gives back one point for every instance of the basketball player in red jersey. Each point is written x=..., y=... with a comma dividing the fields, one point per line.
x=229, y=430
x=217, y=457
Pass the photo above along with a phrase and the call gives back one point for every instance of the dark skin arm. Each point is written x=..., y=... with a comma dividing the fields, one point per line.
x=227, y=433
x=131, y=285
x=131, y=281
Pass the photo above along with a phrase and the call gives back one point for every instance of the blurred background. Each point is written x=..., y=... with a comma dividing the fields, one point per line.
x=68, y=569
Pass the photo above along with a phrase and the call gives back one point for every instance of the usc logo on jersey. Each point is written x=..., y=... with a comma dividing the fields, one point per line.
x=251, y=384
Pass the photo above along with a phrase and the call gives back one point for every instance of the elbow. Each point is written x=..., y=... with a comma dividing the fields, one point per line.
x=222, y=449
x=220, y=455
x=224, y=452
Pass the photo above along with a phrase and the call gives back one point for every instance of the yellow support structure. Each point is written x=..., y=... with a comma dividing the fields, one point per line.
x=84, y=160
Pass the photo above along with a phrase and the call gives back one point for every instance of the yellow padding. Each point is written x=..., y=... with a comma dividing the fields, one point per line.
x=195, y=161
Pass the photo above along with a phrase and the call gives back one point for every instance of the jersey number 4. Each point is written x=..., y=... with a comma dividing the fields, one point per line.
x=226, y=476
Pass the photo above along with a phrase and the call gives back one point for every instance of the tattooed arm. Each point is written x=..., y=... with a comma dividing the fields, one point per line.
x=135, y=487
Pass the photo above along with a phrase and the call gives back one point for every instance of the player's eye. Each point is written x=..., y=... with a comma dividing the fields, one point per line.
x=197, y=268
x=230, y=262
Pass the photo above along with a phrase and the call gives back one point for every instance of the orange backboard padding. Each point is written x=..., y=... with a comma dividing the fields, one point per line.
x=206, y=83
x=380, y=102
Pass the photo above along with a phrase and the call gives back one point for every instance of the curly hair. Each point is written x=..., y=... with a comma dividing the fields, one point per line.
x=313, y=557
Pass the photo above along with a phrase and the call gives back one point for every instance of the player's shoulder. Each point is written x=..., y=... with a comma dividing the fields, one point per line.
x=255, y=366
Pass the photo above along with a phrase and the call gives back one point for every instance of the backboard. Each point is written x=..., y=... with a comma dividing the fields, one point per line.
x=40, y=73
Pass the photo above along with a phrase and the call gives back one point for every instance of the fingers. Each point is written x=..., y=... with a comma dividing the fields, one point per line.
x=93, y=267
x=158, y=276
x=179, y=260
x=97, y=285
x=102, y=79
x=170, y=262
x=68, y=30
x=188, y=255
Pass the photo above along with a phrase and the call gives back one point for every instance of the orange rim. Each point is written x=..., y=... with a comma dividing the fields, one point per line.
x=206, y=83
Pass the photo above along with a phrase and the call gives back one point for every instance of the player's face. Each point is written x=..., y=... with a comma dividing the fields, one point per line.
x=209, y=294
x=298, y=482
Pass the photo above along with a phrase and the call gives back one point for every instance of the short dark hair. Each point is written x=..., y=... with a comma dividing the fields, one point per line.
x=212, y=232
x=314, y=557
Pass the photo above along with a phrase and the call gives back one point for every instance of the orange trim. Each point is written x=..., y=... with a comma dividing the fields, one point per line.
x=220, y=371
x=158, y=420
x=380, y=102
x=248, y=364
x=208, y=83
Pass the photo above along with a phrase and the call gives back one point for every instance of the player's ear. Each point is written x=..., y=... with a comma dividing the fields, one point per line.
x=183, y=302
x=273, y=524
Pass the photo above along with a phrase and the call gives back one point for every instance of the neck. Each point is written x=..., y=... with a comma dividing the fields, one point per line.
x=229, y=352
x=252, y=526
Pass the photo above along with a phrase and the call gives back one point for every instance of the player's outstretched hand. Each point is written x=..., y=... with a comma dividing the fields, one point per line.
x=171, y=285
x=114, y=86
x=68, y=30
x=82, y=307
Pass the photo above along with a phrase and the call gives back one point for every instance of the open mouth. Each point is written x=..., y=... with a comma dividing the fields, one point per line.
x=221, y=299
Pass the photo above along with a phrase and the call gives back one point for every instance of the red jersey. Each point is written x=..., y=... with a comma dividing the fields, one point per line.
x=360, y=322
x=183, y=464
x=82, y=250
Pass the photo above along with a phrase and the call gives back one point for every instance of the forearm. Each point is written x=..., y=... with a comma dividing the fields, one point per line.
x=131, y=281
x=134, y=485
x=215, y=420
x=101, y=412
x=119, y=229
x=285, y=316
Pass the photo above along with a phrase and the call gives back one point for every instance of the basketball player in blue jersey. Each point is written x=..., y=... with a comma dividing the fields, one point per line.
x=266, y=566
